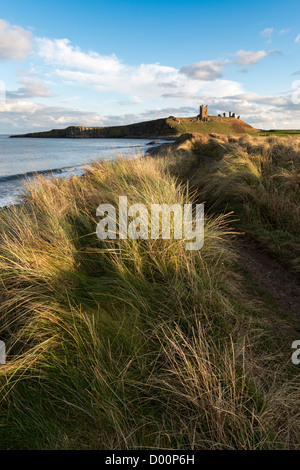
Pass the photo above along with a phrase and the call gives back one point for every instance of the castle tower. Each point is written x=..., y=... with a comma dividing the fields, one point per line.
x=203, y=113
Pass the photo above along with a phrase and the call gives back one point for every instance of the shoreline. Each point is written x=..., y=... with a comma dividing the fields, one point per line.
x=149, y=150
x=143, y=130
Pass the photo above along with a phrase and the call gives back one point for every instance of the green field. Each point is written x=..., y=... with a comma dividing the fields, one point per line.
x=278, y=132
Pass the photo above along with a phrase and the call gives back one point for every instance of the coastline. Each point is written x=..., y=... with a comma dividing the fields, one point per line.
x=142, y=130
x=11, y=181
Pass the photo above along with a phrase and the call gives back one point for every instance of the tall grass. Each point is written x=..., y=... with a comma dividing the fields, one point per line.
x=131, y=344
x=259, y=179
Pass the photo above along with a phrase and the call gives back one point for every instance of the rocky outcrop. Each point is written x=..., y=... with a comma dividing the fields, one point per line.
x=148, y=129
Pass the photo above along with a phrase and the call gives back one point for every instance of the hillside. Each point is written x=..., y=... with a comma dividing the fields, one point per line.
x=216, y=124
x=158, y=128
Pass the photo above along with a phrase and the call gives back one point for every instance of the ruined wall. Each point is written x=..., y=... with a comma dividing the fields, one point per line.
x=203, y=116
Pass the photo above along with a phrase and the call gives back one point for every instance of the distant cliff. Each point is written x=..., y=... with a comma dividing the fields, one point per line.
x=148, y=129
x=158, y=128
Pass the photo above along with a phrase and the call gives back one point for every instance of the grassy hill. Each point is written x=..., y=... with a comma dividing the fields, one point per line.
x=150, y=129
x=215, y=124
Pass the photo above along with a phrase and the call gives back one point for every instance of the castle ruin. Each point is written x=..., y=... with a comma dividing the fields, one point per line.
x=203, y=115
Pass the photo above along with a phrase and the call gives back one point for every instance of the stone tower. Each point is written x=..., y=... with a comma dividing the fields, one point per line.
x=203, y=116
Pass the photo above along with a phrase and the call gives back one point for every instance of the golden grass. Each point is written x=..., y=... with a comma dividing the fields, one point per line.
x=259, y=179
x=131, y=344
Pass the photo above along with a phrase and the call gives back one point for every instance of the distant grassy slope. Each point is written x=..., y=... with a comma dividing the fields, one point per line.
x=149, y=129
x=279, y=132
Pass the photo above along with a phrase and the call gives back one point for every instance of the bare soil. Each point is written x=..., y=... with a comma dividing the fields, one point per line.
x=272, y=276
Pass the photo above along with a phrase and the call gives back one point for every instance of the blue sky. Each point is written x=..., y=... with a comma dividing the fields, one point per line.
x=115, y=62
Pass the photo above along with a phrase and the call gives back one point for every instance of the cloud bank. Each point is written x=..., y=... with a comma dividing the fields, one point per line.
x=149, y=91
x=15, y=42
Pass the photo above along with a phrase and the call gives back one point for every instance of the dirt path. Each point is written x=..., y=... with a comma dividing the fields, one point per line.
x=273, y=277
x=208, y=161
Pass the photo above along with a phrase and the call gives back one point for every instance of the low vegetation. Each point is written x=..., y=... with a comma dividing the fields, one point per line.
x=279, y=133
x=142, y=344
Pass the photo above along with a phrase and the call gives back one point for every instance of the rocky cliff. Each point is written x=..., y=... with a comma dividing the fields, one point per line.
x=157, y=128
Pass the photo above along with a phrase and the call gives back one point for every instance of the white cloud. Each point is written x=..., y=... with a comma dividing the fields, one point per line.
x=297, y=39
x=103, y=72
x=60, y=52
x=249, y=57
x=143, y=86
x=205, y=70
x=15, y=42
x=25, y=116
x=208, y=91
x=180, y=95
x=26, y=73
x=19, y=107
x=267, y=100
x=130, y=102
x=267, y=33
x=284, y=31
x=108, y=73
x=30, y=89
x=149, y=114
x=145, y=80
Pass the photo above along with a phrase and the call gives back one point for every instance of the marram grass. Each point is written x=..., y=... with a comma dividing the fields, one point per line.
x=258, y=179
x=131, y=344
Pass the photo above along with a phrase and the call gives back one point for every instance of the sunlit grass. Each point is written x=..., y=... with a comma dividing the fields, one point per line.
x=259, y=179
x=131, y=344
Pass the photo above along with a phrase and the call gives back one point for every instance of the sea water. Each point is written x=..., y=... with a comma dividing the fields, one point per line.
x=22, y=158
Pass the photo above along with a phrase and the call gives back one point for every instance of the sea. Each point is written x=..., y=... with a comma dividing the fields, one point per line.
x=22, y=158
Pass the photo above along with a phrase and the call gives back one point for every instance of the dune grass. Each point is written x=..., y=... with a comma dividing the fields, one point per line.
x=133, y=344
x=258, y=179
